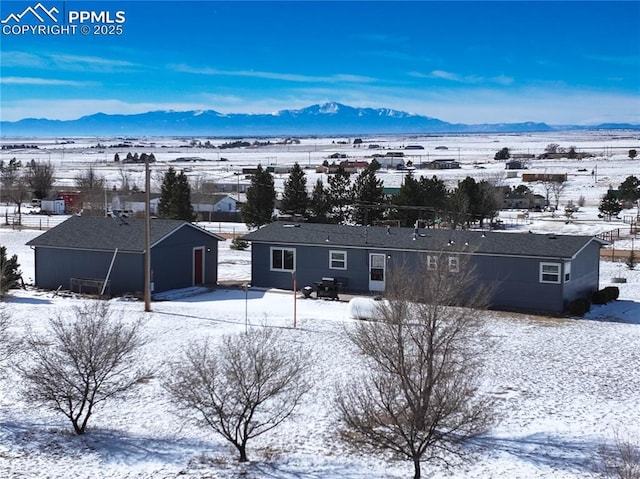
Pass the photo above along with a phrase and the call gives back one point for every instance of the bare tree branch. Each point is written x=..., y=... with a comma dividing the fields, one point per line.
x=91, y=358
x=247, y=387
x=419, y=397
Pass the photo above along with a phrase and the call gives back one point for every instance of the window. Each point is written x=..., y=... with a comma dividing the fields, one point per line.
x=454, y=264
x=337, y=259
x=567, y=271
x=432, y=263
x=549, y=272
x=376, y=267
x=283, y=259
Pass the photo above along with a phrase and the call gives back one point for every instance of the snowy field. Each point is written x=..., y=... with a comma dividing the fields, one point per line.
x=564, y=386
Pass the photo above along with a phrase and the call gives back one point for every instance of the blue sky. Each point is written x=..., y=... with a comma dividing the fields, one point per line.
x=470, y=62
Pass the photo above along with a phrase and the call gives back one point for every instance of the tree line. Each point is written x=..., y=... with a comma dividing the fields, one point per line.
x=363, y=200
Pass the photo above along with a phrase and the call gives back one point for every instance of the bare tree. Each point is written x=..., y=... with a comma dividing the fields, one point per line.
x=244, y=388
x=9, y=344
x=40, y=177
x=418, y=396
x=620, y=461
x=83, y=361
x=92, y=186
x=14, y=184
x=557, y=187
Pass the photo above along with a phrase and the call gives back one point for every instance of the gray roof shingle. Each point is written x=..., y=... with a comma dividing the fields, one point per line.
x=107, y=234
x=436, y=240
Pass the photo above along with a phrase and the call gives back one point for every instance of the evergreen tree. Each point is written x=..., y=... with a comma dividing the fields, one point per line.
x=367, y=190
x=295, y=198
x=502, y=154
x=9, y=272
x=610, y=205
x=630, y=189
x=319, y=205
x=340, y=196
x=175, y=197
x=434, y=196
x=409, y=195
x=261, y=197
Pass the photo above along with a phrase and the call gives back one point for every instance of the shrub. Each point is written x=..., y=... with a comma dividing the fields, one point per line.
x=239, y=244
x=613, y=292
x=603, y=296
x=579, y=307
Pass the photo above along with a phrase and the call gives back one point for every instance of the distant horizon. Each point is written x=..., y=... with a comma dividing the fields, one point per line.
x=303, y=108
x=471, y=62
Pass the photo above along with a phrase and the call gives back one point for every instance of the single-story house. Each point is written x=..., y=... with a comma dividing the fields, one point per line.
x=443, y=164
x=82, y=253
x=530, y=272
x=136, y=202
x=516, y=165
x=217, y=202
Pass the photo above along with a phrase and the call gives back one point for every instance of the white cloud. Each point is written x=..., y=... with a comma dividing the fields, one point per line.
x=464, y=79
x=44, y=82
x=290, y=77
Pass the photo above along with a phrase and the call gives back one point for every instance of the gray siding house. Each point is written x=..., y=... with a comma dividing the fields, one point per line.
x=83, y=251
x=530, y=272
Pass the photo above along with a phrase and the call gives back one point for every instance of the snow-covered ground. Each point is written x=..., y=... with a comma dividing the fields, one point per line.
x=565, y=386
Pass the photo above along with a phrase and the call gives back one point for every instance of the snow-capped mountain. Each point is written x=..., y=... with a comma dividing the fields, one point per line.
x=322, y=119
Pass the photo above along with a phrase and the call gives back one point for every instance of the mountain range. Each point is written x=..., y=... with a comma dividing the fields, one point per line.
x=325, y=119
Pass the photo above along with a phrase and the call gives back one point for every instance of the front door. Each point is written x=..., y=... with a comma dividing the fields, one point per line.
x=198, y=265
x=377, y=264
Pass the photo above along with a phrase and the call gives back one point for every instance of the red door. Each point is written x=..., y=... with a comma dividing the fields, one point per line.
x=198, y=266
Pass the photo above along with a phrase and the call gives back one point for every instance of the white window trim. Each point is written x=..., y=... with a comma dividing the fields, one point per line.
x=432, y=263
x=454, y=264
x=558, y=267
x=567, y=271
x=272, y=249
x=331, y=260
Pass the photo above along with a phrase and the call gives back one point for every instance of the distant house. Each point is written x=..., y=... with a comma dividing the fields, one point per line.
x=522, y=201
x=354, y=166
x=444, y=164
x=553, y=177
x=216, y=207
x=531, y=272
x=515, y=165
x=391, y=159
x=136, y=202
x=87, y=253
x=414, y=147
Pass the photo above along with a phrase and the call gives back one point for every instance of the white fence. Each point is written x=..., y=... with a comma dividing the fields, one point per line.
x=40, y=222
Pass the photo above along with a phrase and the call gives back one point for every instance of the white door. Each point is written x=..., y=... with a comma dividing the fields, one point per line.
x=377, y=263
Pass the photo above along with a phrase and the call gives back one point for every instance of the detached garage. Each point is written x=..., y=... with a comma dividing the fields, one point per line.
x=89, y=254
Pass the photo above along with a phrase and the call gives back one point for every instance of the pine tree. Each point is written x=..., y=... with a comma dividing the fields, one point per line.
x=610, y=205
x=367, y=190
x=9, y=272
x=175, y=197
x=340, y=196
x=261, y=196
x=295, y=198
x=409, y=195
x=319, y=206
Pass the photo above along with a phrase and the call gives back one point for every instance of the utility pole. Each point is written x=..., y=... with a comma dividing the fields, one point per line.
x=147, y=238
